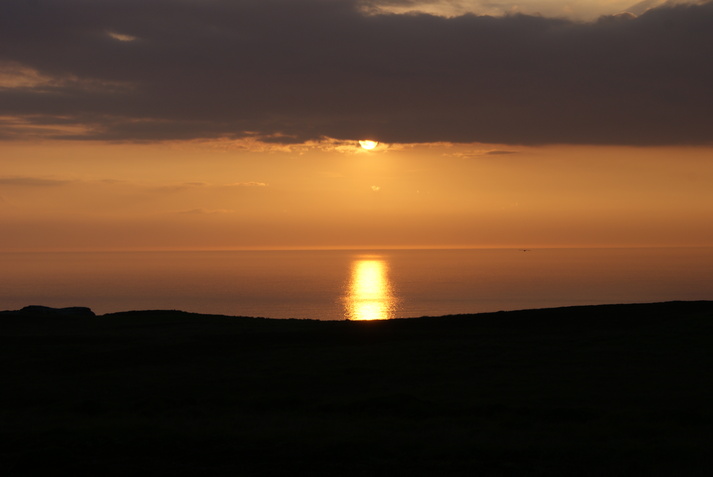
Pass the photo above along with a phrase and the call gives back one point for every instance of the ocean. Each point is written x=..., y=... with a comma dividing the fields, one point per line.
x=357, y=285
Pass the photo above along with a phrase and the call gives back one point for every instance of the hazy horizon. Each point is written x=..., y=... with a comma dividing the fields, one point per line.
x=356, y=284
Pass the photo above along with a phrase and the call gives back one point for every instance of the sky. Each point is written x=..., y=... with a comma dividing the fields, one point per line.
x=232, y=124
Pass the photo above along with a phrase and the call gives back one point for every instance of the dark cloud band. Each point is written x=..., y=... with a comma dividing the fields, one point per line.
x=297, y=70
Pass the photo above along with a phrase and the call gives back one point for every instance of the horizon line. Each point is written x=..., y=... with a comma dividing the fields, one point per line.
x=345, y=248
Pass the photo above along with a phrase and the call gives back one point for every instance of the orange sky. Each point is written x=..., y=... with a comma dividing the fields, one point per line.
x=235, y=124
x=197, y=195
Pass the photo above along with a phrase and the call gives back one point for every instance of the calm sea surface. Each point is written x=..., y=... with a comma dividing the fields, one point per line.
x=334, y=285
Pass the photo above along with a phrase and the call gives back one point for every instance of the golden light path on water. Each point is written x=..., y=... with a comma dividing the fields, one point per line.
x=369, y=293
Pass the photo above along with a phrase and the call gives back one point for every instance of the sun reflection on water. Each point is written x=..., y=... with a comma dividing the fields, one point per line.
x=369, y=295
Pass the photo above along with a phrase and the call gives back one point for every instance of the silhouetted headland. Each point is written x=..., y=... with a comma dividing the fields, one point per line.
x=37, y=311
x=591, y=390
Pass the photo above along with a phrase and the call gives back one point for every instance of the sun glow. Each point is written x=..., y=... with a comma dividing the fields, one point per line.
x=368, y=144
x=369, y=295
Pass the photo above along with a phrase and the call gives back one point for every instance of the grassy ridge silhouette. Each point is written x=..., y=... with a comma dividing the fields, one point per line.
x=615, y=389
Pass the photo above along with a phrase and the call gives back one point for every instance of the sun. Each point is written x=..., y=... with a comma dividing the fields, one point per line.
x=368, y=144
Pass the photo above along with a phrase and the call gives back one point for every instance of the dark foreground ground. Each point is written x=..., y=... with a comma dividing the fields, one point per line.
x=587, y=391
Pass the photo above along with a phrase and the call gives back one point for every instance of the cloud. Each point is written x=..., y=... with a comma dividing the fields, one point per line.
x=248, y=184
x=178, y=187
x=288, y=72
x=31, y=182
x=479, y=153
x=581, y=9
x=184, y=186
x=121, y=37
x=645, y=5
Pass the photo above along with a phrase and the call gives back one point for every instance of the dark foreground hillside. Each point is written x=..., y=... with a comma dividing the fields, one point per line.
x=588, y=391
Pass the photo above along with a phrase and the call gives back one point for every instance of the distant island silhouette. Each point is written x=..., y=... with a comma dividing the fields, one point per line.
x=589, y=390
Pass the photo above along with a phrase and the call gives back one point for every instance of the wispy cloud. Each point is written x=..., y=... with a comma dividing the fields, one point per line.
x=32, y=182
x=248, y=184
x=480, y=153
x=184, y=186
x=121, y=36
